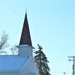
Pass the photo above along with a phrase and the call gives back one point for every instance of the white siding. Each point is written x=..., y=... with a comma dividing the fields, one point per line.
x=29, y=67
x=25, y=51
x=9, y=73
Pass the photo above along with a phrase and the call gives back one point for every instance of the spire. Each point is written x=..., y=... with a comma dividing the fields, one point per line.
x=25, y=36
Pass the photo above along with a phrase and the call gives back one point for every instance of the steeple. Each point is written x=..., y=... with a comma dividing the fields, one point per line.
x=25, y=36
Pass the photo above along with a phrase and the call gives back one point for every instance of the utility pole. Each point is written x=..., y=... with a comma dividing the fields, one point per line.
x=72, y=58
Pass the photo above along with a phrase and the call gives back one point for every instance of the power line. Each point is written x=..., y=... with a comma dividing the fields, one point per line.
x=33, y=27
x=13, y=25
x=20, y=17
x=10, y=9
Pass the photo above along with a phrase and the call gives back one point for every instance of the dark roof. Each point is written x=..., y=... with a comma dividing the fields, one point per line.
x=25, y=36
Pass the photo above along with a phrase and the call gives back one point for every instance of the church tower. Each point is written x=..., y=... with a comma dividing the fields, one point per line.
x=25, y=45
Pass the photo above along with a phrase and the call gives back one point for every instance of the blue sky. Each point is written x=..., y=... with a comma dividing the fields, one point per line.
x=51, y=24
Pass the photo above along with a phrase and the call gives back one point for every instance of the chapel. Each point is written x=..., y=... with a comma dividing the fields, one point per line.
x=23, y=63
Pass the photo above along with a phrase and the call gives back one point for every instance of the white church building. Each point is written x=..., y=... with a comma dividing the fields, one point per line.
x=23, y=63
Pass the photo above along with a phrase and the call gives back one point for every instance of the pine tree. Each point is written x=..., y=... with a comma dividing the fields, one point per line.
x=41, y=61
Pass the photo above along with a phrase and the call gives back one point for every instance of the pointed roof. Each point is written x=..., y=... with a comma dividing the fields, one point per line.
x=25, y=36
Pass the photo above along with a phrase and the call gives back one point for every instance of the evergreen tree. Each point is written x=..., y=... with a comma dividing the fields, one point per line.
x=41, y=61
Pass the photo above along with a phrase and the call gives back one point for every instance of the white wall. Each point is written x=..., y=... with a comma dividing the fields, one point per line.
x=9, y=73
x=25, y=50
x=29, y=67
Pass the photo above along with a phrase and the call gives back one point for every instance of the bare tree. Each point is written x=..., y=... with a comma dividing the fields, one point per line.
x=14, y=50
x=3, y=42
